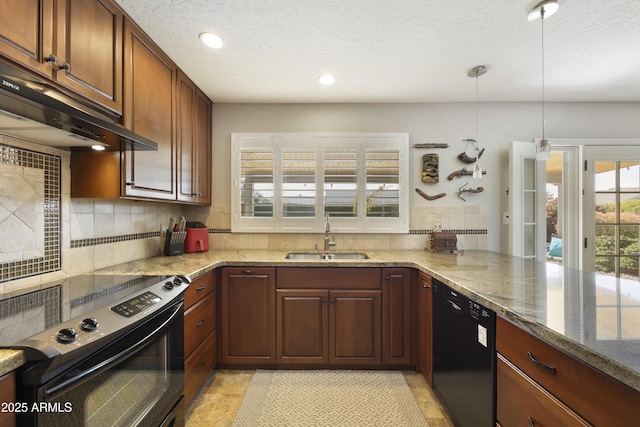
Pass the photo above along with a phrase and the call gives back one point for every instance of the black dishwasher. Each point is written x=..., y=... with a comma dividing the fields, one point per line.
x=464, y=357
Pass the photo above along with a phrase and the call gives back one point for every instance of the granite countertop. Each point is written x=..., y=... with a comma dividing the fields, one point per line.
x=591, y=317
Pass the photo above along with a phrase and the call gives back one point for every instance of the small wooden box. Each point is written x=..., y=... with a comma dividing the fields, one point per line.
x=442, y=241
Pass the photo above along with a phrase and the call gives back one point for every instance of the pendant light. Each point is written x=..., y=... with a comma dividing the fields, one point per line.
x=476, y=72
x=543, y=10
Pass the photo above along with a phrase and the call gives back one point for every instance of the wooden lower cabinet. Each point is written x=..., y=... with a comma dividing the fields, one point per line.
x=198, y=366
x=8, y=394
x=531, y=371
x=396, y=333
x=303, y=326
x=355, y=322
x=199, y=333
x=248, y=318
x=425, y=324
x=535, y=406
x=322, y=326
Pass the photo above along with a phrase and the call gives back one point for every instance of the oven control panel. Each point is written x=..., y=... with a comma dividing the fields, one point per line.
x=136, y=304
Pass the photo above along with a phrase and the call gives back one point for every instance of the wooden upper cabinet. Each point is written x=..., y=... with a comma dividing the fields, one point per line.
x=26, y=33
x=76, y=44
x=194, y=143
x=89, y=50
x=149, y=87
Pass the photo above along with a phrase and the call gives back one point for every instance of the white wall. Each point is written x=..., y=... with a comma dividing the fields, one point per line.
x=499, y=123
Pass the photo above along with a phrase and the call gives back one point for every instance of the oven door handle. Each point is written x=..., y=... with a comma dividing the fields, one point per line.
x=107, y=363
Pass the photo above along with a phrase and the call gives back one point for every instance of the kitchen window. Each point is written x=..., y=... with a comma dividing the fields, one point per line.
x=288, y=182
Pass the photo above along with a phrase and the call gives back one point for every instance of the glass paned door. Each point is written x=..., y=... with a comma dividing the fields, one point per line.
x=617, y=217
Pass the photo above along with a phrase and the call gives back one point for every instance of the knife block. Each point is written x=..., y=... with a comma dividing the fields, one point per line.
x=174, y=243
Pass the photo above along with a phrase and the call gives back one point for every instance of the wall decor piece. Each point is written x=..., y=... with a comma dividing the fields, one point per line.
x=465, y=157
x=427, y=197
x=430, y=168
x=462, y=172
x=468, y=190
x=30, y=212
x=430, y=145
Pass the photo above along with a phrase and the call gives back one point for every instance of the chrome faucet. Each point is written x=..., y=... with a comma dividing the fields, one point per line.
x=328, y=243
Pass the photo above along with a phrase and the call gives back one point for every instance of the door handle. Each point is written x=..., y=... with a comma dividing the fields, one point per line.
x=454, y=305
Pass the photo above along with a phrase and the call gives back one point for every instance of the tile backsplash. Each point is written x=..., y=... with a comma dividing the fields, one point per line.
x=30, y=212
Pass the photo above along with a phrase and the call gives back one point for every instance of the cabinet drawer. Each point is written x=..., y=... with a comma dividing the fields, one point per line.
x=199, y=288
x=596, y=397
x=522, y=402
x=328, y=278
x=199, y=321
x=198, y=366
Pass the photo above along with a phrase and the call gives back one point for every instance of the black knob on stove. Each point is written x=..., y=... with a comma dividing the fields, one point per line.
x=89, y=324
x=177, y=281
x=168, y=285
x=67, y=335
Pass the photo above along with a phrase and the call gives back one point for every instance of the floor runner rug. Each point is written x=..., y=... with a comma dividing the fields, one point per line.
x=329, y=398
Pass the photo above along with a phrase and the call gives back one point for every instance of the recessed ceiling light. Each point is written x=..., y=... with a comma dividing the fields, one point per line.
x=326, y=79
x=211, y=40
x=98, y=147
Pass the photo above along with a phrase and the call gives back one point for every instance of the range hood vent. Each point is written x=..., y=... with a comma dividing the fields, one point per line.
x=32, y=109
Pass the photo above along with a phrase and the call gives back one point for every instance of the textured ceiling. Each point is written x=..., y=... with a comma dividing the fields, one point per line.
x=399, y=50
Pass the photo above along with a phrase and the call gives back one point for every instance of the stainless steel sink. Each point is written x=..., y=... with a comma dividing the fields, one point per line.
x=332, y=255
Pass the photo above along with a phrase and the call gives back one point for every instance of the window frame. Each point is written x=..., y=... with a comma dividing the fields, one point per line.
x=320, y=143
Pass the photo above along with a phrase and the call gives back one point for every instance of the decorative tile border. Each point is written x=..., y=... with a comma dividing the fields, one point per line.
x=457, y=231
x=51, y=166
x=81, y=243
x=76, y=302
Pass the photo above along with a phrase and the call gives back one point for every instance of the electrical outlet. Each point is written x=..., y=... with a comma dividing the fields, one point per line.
x=163, y=230
x=505, y=218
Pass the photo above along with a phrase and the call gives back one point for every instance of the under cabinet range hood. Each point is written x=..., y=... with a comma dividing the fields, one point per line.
x=32, y=109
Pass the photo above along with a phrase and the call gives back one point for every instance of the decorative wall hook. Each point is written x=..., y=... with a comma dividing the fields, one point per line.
x=466, y=158
x=468, y=190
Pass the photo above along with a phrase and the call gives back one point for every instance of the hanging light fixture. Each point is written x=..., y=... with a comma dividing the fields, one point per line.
x=476, y=72
x=543, y=10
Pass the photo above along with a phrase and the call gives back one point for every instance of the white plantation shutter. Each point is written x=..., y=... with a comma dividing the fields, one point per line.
x=287, y=182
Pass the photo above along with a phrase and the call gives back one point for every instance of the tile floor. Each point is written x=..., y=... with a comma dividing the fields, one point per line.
x=221, y=396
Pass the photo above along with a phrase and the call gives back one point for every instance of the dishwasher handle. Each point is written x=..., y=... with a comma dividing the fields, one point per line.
x=454, y=305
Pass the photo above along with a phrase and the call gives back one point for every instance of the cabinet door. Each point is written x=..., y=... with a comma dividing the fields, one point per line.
x=149, y=85
x=425, y=307
x=203, y=149
x=355, y=322
x=248, y=319
x=88, y=46
x=302, y=326
x=26, y=33
x=194, y=143
x=396, y=324
x=7, y=395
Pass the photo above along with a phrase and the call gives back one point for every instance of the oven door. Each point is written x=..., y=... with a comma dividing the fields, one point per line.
x=137, y=380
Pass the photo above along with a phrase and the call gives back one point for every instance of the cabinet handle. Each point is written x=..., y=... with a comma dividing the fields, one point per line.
x=199, y=368
x=200, y=324
x=425, y=285
x=65, y=67
x=248, y=271
x=387, y=277
x=52, y=59
x=531, y=423
x=540, y=364
x=332, y=300
x=131, y=184
x=324, y=300
x=200, y=288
